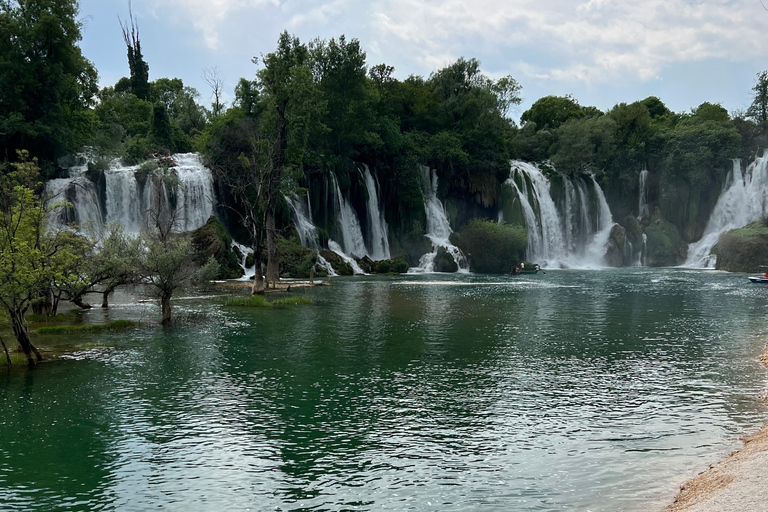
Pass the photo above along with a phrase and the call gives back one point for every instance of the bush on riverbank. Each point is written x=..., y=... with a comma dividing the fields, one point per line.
x=492, y=247
x=743, y=249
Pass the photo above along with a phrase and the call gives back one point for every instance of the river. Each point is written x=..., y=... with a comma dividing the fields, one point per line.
x=573, y=390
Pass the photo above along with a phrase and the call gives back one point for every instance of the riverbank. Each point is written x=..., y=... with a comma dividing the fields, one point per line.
x=736, y=484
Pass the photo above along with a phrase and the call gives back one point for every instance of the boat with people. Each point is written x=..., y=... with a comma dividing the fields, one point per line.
x=761, y=279
x=526, y=268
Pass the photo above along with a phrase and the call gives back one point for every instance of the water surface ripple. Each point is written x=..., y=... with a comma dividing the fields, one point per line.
x=574, y=390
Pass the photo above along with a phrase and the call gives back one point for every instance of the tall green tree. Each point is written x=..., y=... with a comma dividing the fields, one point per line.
x=758, y=111
x=292, y=111
x=47, y=84
x=138, y=66
x=31, y=257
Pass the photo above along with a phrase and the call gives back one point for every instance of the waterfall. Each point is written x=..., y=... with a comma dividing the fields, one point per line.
x=81, y=193
x=744, y=199
x=335, y=247
x=307, y=231
x=352, y=239
x=377, y=226
x=572, y=235
x=642, y=201
x=130, y=192
x=194, y=200
x=438, y=227
x=641, y=256
x=248, y=272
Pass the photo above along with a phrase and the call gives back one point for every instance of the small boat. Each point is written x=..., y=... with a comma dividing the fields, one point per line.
x=529, y=271
x=762, y=279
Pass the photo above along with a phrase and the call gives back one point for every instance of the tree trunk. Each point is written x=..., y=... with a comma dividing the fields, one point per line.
x=165, y=304
x=22, y=336
x=273, y=252
x=5, y=349
x=258, y=278
x=78, y=301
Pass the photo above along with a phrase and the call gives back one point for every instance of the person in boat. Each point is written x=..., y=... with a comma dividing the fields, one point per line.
x=765, y=275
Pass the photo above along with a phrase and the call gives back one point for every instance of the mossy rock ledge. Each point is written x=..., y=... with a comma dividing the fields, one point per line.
x=743, y=249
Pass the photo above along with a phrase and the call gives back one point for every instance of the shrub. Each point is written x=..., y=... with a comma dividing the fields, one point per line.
x=492, y=248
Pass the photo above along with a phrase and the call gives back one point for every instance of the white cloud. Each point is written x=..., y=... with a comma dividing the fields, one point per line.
x=209, y=17
x=591, y=41
x=597, y=40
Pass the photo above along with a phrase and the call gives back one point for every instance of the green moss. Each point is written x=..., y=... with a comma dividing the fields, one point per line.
x=117, y=325
x=295, y=259
x=492, y=248
x=212, y=240
x=743, y=249
x=665, y=246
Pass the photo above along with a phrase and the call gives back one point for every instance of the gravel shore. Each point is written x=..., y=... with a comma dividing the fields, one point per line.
x=736, y=484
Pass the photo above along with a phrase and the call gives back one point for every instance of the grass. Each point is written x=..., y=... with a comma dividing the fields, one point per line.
x=257, y=301
x=117, y=325
x=254, y=301
x=45, y=319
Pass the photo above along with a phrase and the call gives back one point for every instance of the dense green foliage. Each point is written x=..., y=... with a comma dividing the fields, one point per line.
x=47, y=84
x=492, y=248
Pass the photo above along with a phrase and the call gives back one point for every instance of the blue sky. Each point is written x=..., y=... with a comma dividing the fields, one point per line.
x=600, y=51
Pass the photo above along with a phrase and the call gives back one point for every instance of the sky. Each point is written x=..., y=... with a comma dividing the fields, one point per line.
x=602, y=52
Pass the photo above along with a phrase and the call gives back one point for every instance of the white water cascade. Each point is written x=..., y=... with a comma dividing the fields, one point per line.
x=438, y=227
x=642, y=201
x=744, y=199
x=352, y=241
x=129, y=193
x=307, y=231
x=572, y=235
x=377, y=226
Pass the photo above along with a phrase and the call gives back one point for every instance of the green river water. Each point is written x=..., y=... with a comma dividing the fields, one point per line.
x=574, y=390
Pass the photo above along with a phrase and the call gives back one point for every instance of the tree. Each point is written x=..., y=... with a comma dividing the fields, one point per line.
x=759, y=108
x=106, y=263
x=292, y=108
x=30, y=257
x=216, y=83
x=237, y=156
x=165, y=259
x=136, y=63
x=47, y=84
x=552, y=111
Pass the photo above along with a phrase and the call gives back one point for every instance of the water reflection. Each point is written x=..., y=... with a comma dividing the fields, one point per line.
x=577, y=390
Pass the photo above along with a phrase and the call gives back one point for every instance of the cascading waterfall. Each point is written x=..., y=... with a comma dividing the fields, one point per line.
x=642, y=201
x=307, y=231
x=352, y=239
x=195, y=198
x=744, y=199
x=130, y=193
x=574, y=235
x=377, y=226
x=438, y=227
x=81, y=193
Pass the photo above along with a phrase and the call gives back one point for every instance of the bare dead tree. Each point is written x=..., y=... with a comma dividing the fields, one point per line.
x=216, y=83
